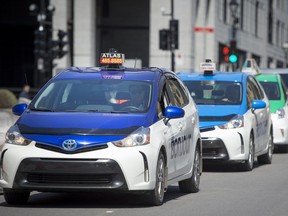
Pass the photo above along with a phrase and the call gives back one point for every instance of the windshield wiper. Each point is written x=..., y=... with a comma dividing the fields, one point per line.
x=42, y=110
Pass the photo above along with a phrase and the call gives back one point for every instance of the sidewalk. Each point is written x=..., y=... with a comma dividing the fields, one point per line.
x=7, y=119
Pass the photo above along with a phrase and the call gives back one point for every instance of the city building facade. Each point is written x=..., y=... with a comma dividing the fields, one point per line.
x=249, y=28
x=205, y=28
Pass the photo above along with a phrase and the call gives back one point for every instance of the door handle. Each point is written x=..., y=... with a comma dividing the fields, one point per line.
x=193, y=120
x=180, y=126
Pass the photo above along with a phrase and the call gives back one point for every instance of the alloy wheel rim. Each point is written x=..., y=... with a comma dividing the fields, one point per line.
x=196, y=169
x=251, y=156
x=160, y=177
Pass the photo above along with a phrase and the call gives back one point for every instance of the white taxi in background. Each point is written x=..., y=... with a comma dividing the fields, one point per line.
x=234, y=114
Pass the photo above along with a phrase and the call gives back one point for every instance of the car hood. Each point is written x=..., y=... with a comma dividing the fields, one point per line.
x=213, y=115
x=275, y=105
x=87, y=129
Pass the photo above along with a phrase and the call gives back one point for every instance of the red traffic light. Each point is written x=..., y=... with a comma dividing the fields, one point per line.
x=225, y=50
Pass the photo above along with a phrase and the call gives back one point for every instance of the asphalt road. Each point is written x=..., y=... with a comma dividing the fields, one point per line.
x=225, y=191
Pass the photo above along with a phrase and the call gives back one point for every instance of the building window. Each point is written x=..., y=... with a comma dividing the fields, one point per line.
x=242, y=14
x=270, y=62
x=270, y=22
x=279, y=64
x=225, y=11
x=277, y=32
x=256, y=17
x=282, y=34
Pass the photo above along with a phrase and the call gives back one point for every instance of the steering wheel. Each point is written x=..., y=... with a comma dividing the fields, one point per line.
x=131, y=108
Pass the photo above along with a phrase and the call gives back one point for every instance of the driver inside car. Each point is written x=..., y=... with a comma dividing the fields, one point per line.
x=137, y=93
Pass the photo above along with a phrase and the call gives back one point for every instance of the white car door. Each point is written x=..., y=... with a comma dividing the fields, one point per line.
x=262, y=117
x=182, y=146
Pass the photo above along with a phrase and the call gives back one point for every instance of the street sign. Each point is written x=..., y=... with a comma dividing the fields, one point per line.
x=204, y=29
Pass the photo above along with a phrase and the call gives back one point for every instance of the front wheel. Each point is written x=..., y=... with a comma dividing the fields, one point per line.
x=16, y=197
x=249, y=163
x=267, y=157
x=191, y=185
x=156, y=196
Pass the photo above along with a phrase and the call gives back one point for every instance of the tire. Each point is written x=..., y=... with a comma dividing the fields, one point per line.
x=15, y=197
x=191, y=185
x=267, y=157
x=248, y=165
x=156, y=196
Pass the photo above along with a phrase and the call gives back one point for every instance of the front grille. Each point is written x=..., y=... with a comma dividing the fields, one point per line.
x=69, y=179
x=214, y=148
x=63, y=174
x=57, y=149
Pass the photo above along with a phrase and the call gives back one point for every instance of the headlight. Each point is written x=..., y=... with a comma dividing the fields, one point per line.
x=13, y=136
x=236, y=122
x=280, y=113
x=139, y=137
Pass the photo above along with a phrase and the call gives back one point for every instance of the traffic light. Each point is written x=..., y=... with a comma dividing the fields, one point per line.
x=56, y=47
x=40, y=43
x=174, y=33
x=233, y=57
x=62, y=43
x=164, y=39
x=225, y=53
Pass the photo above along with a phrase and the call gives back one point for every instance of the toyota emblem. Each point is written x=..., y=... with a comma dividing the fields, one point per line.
x=69, y=144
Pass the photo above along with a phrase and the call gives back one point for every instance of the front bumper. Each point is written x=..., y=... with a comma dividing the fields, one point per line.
x=280, y=130
x=219, y=145
x=61, y=174
x=112, y=168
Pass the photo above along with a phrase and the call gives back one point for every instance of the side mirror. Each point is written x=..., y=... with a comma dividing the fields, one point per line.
x=173, y=112
x=258, y=104
x=19, y=109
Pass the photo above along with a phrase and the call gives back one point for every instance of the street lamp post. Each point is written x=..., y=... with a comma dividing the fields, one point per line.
x=233, y=9
x=171, y=40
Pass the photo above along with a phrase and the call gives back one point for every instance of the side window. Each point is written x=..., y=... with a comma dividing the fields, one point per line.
x=284, y=90
x=178, y=93
x=258, y=94
x=163, y=103
x=250, y=94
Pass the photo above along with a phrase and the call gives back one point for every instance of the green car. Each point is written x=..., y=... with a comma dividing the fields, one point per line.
x=275, y=89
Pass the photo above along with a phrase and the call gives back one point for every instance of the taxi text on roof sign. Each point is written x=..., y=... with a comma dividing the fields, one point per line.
x=112, y=58
x=207, y=66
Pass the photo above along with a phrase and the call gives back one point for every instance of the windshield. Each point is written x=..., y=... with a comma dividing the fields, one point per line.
x=94, y=96
x=272, y=90
x=215, y=92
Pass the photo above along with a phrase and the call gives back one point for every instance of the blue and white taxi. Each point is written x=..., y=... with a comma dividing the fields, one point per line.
x=234, y=115
x=106, y=128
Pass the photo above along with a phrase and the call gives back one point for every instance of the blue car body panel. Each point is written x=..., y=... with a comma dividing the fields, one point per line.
x=52, y=128
x=218, y=111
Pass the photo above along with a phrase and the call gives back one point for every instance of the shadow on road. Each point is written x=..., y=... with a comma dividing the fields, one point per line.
x=225, y=167
x=93, y=200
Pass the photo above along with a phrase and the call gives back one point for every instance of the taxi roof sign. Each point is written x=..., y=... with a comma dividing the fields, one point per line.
x=207, y=66
x=112, y=58
x=250, y=66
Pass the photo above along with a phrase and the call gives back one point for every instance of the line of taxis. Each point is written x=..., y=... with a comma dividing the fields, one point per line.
x=113, y=128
